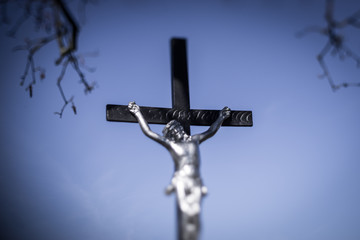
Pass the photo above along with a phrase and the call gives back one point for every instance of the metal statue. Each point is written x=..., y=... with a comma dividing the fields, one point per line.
x=183, y=147
x=186, y=181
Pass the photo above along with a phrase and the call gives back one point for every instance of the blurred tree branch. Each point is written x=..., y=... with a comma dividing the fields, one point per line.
x=55, y=19
x=335, y=44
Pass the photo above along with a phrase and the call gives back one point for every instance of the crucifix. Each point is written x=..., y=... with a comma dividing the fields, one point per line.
x=183, y=147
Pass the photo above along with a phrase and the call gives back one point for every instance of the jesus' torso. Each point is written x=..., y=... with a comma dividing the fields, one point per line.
x=186, y=156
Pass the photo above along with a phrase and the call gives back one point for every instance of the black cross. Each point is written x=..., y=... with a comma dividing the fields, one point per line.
x=180, y=110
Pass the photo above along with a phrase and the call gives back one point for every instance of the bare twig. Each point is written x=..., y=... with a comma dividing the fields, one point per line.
x=66, y=101
x=75, y=64
x=88, y=87
x=32, y=47
x=54, y=17
x=335, y=43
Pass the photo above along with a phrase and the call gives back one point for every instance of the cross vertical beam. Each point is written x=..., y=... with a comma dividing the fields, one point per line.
x=180, y=80
x=180, y=100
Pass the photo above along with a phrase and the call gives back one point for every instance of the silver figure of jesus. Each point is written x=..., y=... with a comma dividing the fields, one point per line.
x=186, y=181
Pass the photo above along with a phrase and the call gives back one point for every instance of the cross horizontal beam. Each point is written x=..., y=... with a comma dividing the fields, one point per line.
x=120, y=113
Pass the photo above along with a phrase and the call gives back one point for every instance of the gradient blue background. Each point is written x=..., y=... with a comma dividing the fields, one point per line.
x=294, y=175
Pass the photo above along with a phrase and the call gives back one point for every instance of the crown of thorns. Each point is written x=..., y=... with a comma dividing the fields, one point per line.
x=170, y=124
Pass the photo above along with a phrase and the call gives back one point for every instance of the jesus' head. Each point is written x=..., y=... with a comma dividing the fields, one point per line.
x=174, y=131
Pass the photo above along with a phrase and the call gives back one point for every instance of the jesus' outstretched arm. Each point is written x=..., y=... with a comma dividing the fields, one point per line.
x=135, y=110
x=224, y=114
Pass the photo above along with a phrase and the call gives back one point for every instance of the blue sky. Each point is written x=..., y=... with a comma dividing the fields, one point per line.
x=293, y=175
